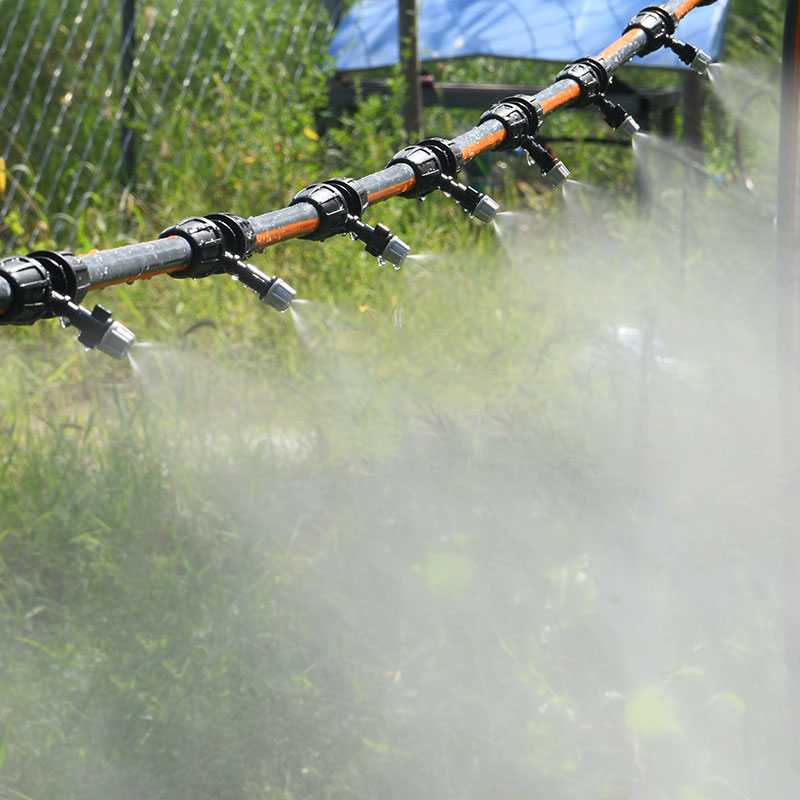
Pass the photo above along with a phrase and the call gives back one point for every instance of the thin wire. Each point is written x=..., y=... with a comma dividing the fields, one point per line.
x=65, y=106
x=224, y=82
x=9, y=88
x=83, y=161
x=186, y=82
x=34, y=135
x=254, y=100
x=35, y=77
x=118, y=115
x=10, y=29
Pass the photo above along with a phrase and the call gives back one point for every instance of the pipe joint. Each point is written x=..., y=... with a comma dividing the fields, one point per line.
x=657, y=23
x=207, y=242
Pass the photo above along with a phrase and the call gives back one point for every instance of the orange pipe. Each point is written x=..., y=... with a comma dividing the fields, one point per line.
x=620, y=43
x=682, y=10
x=488, y=142
x=563, y=97
x=287, y=232
x=143, y=277
x=391, y=191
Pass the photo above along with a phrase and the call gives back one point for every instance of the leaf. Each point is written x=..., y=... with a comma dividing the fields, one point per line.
x=3, y=174
x=650, y=713
x=310, y=133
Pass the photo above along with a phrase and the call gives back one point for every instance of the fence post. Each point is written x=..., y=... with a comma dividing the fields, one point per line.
x=127, y=134
x=409, y=59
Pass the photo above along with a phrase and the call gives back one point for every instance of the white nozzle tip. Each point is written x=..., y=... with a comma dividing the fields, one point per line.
x=116, y=341
x=701, y=62
x=396, y=252
x=629, y=126
x=486, y=210
x=558, y=174
x=279, y=295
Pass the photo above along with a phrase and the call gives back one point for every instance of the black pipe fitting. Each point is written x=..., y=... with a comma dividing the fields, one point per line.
x=427, y=169
x=30, y=285
x=435, y=163
x=659, y=25
x=591, y=75
x=237, y=233
x=207, y=242
x=47, y=284
x=449, y=153
x=339, y=203
x=520, y=115
x=334, y=201
x=691, y=56
x=96, y=328
x=68, y=274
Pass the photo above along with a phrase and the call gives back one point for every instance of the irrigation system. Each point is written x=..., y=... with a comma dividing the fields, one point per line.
x=46, y=284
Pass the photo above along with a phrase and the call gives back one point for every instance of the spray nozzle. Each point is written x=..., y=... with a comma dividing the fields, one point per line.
x=339, y=204
x=692, y=56
x=48, y=284
x=552, y=168
x=616, y=116
x=379, y=241
x=96, y=329
x=435, y=163
x=659, y=25
x=521, y=116
x=275, y=292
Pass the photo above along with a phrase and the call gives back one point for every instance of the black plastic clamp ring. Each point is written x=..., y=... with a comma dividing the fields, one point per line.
x=659, y=25
x=68, y=274
x=590, y=74
x=30, y=285
x=238, y=233
x=207, y=243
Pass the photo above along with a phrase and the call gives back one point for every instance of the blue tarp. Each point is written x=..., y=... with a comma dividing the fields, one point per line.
x=547, y=30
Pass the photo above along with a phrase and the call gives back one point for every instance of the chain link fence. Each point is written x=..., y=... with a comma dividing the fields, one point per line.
x=104, y=100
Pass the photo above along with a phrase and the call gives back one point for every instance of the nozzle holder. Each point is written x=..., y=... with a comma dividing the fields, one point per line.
x=206, y=239
x=552, y=168
x=435, y=163
x=238, y=234
x=273, y=291
x=96, y=328
x=692, y=56
x=32, y=278
x=68, y=274
x=334, y=201
x=521, y=115
x=659, y=25
x=339, y=204
x=30, y=290
x=592, y=77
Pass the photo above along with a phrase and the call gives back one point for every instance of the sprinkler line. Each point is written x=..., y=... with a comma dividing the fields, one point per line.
x=510, y=124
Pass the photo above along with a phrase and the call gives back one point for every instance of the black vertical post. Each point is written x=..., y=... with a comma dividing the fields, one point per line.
x=409, y=58
x=692, y=110
x=128, y=139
